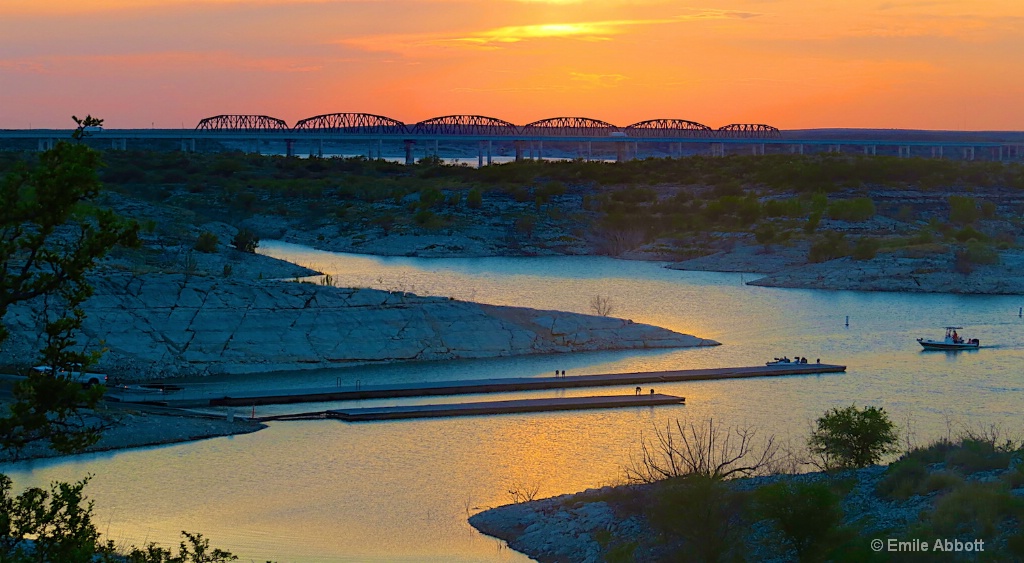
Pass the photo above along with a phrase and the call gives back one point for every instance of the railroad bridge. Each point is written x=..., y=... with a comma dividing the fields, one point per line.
x=528, y=140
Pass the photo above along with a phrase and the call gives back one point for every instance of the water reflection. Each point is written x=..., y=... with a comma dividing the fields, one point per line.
x=399, y=491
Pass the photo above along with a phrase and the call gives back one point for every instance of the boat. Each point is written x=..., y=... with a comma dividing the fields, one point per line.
x=952, y=341
x=785, y=361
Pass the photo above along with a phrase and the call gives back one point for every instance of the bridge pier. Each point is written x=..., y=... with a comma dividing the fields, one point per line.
x=289, y=147
x=796, y=149
x=480, y=154
x=119, y=144
x=519, y=150
x=437, y=151
x=589, y=150
x=904, y=151
x=46, y=144
x=870, y=149
x=968, y=153
x=620, y=151
x=410, y=158
x=717, y=149
x=936, y=152
x=838, y=149
x=758, y=149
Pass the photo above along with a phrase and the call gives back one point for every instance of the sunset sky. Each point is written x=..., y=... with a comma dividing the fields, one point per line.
x=929, y=64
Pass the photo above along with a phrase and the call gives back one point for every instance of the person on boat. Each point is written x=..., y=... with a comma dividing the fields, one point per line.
x=956, y=338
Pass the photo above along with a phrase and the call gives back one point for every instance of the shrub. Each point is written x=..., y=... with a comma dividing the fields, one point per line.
x=245, y=240
x=807, y=514
x=852, y=437
x=866, y=248
x=903, y=479
x=428, y=219
x=525, y=224
x=976, y=455
x=963, y=209
x=967, y=233
x=857, y=209
x=976, y=510
x=704, y=513
x=812, y=223
x=831, y=246
x=474, y=199
x=981, y=253
x=207, y=242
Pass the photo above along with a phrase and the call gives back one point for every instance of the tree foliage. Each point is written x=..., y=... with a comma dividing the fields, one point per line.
x=852, y=437
x=245, y=240
x=40, y=525
x=52, y=234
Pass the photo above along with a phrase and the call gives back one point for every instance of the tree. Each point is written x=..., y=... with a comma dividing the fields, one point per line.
x=51, y=235
x=852, y=437
x=702, y=448
x=39, y=525
x=601, y=305
x=245, y=240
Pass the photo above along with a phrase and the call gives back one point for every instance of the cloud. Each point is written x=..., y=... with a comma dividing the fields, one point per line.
x=500, y=37
x=597, y=80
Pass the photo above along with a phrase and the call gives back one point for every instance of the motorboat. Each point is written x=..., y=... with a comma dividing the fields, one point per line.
x=952, y=341
x=785, y=361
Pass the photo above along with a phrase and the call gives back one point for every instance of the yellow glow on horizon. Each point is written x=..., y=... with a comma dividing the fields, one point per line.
x=790, y=63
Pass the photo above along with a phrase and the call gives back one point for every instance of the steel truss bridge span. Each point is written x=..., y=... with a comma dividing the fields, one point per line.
x=484, y=126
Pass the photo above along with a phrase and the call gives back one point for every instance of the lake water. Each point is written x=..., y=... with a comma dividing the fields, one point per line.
x=402, y=490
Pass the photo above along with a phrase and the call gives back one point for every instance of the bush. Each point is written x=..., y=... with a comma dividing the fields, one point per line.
x=831, y=246
x=903, y=479
x=963, y=209
x=807, y=514
x=866, y=248
x=976, y=455
x=704, y=513
x=245, y=241
x=474, y=200
x=812, y=223
x=857, y=209
x=852, y=437
x=207, y=242
x=977, y=510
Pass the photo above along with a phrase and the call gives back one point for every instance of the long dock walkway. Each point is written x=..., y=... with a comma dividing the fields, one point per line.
x=486, y=407
x=504, y=385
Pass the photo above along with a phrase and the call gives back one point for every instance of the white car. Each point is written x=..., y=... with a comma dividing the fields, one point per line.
x=87, y=379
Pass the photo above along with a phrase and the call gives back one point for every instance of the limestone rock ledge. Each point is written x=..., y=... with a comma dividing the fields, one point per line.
x=163, y=325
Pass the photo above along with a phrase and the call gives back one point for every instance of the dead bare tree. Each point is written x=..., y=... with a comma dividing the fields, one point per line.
x=601, y=305
x=702, y=448
x=522, y=492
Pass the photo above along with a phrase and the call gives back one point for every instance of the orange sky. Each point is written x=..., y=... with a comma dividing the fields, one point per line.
x=929, y=64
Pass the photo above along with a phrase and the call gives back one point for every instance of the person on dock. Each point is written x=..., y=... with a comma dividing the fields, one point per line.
x=563, y=373
x=638, y=390
x=652, y=390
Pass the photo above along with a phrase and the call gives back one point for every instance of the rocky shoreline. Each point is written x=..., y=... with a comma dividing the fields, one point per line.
x=787, y=267
x=168, y=325
x=615, y=523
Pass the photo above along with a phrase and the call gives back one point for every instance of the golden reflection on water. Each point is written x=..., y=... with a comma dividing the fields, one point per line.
x=401, y=491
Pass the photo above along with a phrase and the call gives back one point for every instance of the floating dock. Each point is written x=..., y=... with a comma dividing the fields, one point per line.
x=487, y=407
x=504, y=385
